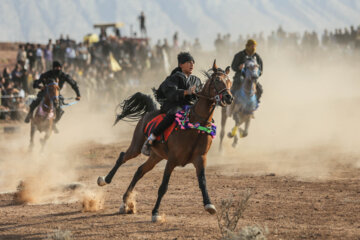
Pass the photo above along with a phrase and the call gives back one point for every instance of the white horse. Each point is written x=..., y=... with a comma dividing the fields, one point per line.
x=244, y=105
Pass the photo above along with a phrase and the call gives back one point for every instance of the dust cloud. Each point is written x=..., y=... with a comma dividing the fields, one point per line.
x=307, y=121
x=40, y=177
x=306, y=125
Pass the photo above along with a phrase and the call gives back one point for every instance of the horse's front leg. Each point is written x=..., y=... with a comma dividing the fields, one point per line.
x=200, y=171
x=223, y=123
x=162, y=190
x=46, y=137
x=32, y=133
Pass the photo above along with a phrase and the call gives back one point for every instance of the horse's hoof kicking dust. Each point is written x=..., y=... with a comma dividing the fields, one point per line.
x=156, y=218
x=210, y=209
x=101, y=181
x=127, y=208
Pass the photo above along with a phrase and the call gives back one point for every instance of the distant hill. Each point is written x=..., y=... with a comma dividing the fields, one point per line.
x=38, y=20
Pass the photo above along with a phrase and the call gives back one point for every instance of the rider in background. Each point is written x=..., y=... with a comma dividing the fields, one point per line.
x=239, y=63
x=176, y=91
x=55, y=73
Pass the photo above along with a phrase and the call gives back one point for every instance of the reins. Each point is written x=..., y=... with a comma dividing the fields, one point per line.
x=216, y=100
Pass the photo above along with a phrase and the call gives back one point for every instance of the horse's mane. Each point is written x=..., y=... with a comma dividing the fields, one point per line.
x=210, y=72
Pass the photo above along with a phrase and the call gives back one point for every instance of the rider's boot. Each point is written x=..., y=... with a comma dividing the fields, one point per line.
x=147, y=145
x=259, y=91
x=28, y=116
x=33, y=105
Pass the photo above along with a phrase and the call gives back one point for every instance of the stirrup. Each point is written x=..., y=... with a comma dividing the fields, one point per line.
x=146, y=148
x=28, y=118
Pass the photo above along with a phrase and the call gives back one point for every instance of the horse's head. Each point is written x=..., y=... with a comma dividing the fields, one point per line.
x=52, y=91
x=217, y=87
x=251, y=70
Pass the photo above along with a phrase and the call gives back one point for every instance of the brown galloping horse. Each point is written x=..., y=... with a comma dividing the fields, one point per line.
x=46, y=112
x=183, y=146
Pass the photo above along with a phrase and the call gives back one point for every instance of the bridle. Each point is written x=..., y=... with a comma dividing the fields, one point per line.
x=217, y=99
x=47, y=93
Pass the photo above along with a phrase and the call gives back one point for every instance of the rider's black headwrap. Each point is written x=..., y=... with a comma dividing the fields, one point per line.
x=184, y=57
x=56, y=64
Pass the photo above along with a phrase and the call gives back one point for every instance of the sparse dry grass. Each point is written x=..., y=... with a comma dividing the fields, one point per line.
x=60, y=234
x=230, y=212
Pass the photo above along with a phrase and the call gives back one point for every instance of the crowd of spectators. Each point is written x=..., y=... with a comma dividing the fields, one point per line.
x=344, y=41
x=106, y=65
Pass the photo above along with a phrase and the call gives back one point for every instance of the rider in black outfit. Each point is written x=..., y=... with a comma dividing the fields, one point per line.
x=239, y=62
x=176, y=91
x=55, y=73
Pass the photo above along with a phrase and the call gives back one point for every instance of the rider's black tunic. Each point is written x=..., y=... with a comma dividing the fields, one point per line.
x=171, y=90
x=52, y=74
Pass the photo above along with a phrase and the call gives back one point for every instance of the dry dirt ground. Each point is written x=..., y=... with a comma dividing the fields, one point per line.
x=300, y=161
x=288, y=207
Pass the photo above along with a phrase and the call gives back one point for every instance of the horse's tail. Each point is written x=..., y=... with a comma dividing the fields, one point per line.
x=135, y=107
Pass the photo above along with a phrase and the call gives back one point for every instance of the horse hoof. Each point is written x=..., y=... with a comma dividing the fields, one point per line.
x=126, y=209
x=122, y=209
x=210, y=209
x=243, y=135
x=101, y=181
x=156, y=218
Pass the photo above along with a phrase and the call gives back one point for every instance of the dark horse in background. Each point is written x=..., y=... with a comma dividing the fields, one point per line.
x=183, y=146
x=244, y=105
x=45, y=114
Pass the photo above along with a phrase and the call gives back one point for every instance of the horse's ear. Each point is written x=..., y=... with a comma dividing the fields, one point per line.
x=227, y=70
x=214, y=68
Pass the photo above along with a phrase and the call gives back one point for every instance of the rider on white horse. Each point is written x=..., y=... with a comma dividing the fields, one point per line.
x=238, y=65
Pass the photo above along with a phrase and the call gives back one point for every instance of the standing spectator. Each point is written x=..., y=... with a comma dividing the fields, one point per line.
x=21, y=55
x=7, y=74
x=31, y=55
x=48, y=56
x=142, y=24
x=218, y=44
x=82, y=55
x=325, y=40
x=56, y=51
x=175, y=40
x=39, y=59
x=197, y=45
x=17, y=76
x=70, y=55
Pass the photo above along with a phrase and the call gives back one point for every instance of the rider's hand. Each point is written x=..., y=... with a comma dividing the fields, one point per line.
x=77, y=98
x=241, y=66
x=190, y=91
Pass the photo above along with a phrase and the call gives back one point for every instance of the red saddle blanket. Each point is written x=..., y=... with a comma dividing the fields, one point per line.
x=154, y=122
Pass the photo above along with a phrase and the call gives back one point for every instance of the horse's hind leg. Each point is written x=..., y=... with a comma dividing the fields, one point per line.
x=133, y=151
x=162, y=190
x=129, y=206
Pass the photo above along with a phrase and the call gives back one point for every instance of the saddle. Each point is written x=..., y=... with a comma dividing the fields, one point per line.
x=154, y=123
x=181, y=122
